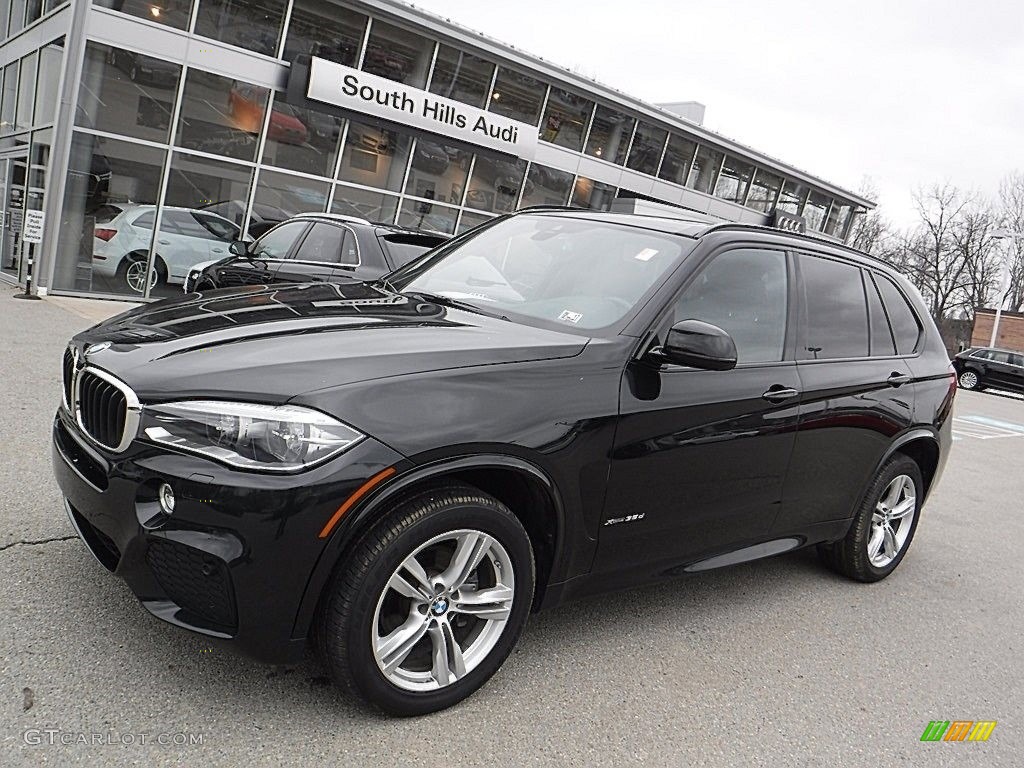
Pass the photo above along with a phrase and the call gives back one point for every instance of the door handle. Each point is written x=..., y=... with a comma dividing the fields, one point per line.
x=778, y=393
x=164, y=242
x=897, y=379
x=217, y=250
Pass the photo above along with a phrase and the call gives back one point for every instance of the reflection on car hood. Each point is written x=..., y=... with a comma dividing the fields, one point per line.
x=275, y=342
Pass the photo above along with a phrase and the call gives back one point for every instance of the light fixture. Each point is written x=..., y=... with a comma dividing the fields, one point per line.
x=599, y=151
x=155, y=11
x=496, y=96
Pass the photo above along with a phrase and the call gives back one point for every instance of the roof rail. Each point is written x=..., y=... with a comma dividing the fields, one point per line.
x=334, y=216
x=811, y=236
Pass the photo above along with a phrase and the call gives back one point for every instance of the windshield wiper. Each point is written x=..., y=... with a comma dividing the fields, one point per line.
x=448, y=301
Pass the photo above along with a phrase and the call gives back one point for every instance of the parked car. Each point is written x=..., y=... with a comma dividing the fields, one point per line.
x=983, y=367
x=144, y=69
x=122, y=236
x=261, y=219
x=314, y=247
x=555, y=404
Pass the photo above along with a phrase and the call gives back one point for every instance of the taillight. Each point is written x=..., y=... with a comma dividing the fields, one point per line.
x=105, y=234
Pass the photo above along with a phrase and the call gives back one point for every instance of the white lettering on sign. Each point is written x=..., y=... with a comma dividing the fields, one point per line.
x=350, y=88
x=32, y=228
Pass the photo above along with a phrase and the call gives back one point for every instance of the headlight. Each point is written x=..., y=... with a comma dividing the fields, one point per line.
x=282, y=438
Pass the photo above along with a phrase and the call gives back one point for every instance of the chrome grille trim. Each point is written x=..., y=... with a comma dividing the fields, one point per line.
x=69, y=365
x=132, y=415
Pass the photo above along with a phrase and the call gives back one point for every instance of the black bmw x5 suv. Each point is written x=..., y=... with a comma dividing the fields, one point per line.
x=555, y=404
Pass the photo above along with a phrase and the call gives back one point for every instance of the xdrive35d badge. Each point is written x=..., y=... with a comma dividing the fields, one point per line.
x=552, y=405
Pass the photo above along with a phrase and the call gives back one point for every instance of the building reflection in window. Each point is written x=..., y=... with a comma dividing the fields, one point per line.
x=814, y=210
x=365, y=203
x=593, y=194
x=470, y=220
x=678, y=157
x=517, y=96
x=704, y=172
x=111, y=192
x=398, y=54
x=420, y=214
x=126, y=93
x=438, y=172
x=374, y=156
x=763, y=191
x=290, y=194
x=546, y=186
x=565, y=119
x=792, y=198
x=495, y=183
x=325, y=29
x=310, y=149
x=648, y=143
x=169, y=13
x=733, y=180
x=255, y=26
x=207, y=126
x=610, y=134
x=461, y=76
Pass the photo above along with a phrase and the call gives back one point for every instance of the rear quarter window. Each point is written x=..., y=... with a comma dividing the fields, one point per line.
x=905, y=326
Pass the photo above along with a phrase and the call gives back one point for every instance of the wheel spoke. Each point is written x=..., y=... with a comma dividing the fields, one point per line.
x=892, y=495
x=491, y=603
x=393, y=649
x=903, y=509
x=890, y=541
x=875, y=543
x=421, y=582
x=448, y=665
x=402, y=586
x=470, y=550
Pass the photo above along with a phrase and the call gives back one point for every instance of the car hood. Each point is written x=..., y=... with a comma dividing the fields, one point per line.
x=273, y=343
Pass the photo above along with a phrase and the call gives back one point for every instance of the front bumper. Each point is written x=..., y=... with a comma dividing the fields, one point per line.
x=234, y=559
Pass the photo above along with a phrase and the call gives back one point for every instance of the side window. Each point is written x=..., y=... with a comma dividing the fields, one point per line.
x=834, y=314
x=881, y=336
x=744, y=292
x=982, y=354
x=999, y=357
x=324, y=243
x=145, y=221
x=221, y=229
x=1017, y=360
x=278, y=241
x=905, y=327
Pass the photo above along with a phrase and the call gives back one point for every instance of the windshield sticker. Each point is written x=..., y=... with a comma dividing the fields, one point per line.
x=647, y=254
x=570, y=316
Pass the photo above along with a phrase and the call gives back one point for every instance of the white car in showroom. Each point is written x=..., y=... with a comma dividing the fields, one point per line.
x=187, y=236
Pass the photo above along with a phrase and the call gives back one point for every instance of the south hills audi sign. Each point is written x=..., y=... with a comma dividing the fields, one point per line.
x=359, y=91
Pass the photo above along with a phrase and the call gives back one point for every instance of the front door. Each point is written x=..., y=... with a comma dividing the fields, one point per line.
x=700, y=457
x=13, y=172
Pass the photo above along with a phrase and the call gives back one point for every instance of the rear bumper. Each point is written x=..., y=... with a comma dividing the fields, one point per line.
x=234, y=560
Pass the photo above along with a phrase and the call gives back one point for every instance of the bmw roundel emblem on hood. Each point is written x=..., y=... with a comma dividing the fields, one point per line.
x=97, y=347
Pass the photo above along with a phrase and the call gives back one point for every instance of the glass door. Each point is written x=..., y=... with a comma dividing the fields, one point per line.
x=13, y=172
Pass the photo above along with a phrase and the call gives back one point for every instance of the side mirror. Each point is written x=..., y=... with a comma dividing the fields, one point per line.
x=699, y=345
x=238, y=248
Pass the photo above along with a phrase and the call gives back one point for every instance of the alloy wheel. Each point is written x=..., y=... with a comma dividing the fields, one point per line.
x=443, y=610
x=135, y=276
x=968, y=379
x=892, y=521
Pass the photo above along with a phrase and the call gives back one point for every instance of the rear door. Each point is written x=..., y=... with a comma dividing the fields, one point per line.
x=858, y=392
x=1016, y=380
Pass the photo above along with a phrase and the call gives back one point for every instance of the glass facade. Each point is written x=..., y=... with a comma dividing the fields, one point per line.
x=170, y=162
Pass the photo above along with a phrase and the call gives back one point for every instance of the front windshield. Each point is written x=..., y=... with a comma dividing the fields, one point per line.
x=562, y=270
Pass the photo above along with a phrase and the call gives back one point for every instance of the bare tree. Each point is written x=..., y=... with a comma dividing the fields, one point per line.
x=974, y=244
x=929, y=255
x=871, y=231
x=1011, y=213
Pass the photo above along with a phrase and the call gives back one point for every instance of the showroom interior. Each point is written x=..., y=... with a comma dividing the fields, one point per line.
x=175, y=125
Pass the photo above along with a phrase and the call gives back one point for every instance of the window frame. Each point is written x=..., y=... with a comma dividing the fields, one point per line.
x=657, y=330
x=288, y=254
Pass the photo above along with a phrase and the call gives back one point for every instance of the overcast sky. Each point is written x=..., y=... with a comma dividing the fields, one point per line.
x=906, y=92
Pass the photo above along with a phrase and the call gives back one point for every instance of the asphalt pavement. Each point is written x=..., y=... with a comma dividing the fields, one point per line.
x=773, y=663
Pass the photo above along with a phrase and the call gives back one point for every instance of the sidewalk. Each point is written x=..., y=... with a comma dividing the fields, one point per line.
x=31, y=344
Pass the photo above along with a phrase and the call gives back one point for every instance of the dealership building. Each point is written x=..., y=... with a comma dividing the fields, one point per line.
x=160, y=130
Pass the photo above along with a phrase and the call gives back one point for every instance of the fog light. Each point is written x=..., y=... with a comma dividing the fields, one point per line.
x=166, y=495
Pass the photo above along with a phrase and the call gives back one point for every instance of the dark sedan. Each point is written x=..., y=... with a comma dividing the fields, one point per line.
x=983, y=367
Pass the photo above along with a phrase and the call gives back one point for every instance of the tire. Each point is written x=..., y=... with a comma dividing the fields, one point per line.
x=128, y=273
x=360, y=609
x=850, y=556
x=969, y=380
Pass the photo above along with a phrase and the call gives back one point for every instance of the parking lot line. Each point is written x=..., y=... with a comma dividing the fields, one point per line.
x=984, y=428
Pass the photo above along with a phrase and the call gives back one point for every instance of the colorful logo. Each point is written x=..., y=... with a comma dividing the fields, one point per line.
x=958, y=730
